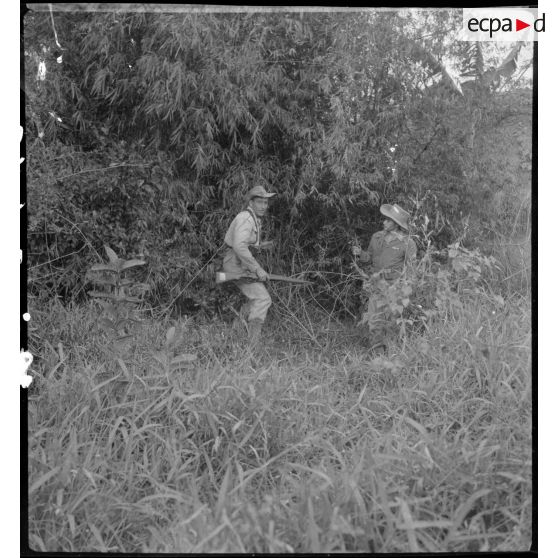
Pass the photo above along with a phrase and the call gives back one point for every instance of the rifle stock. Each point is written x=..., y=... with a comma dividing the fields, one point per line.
x=224, y=276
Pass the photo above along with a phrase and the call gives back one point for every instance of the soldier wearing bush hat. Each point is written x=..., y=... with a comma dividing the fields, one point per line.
x=391, y=247
x=388, y=252
x=397, y=214
x=244, y=233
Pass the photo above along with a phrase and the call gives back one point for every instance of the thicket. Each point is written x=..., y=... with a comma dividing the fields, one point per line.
x=144, y=131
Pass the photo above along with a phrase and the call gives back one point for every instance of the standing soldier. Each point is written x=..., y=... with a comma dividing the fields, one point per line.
x=245, y=232
x=389, y=250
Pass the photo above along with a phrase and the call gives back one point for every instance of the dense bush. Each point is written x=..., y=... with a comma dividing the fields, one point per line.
x=428, y=289
x=147, y=129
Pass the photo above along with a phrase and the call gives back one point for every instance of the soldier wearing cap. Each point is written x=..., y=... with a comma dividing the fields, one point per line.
x=388, y=252
x=244, y=233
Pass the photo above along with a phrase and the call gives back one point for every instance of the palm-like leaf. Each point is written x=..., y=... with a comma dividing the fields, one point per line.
x=436, y=67
x=112, y=256
x=505, y=69
x=472, y=63
x=472, y=66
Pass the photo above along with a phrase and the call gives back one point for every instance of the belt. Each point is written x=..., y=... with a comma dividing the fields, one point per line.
x=387, y=272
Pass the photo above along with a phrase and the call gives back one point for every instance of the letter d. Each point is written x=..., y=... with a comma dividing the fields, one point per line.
x=541, y=30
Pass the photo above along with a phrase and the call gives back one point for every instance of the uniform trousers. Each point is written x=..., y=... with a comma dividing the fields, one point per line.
x=259, y=300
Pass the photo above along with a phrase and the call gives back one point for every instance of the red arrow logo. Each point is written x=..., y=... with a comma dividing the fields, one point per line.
x=519, y=25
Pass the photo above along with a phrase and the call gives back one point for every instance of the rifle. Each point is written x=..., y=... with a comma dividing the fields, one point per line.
x=224, y=276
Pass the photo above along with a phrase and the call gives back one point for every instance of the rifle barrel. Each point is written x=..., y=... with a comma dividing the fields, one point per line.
x=274, y=277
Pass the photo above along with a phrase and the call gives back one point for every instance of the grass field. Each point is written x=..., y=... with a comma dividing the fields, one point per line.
x=315, y=444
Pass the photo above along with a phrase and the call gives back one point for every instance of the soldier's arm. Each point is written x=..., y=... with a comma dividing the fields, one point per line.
x=411, y=252
x=366, y=255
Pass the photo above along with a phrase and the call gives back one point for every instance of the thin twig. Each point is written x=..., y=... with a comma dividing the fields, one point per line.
x=56, y=259
x=102, y=169
x=517, y=273
x=54, y=28
x=80, y=232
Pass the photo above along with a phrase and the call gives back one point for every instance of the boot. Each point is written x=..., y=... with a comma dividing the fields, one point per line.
x=254, y=332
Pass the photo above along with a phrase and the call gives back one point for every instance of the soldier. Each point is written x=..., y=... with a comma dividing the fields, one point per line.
x=245, y=232
x=389, y=250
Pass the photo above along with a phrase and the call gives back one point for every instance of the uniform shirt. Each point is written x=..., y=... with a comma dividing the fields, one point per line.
x=244, y=231
x=389, y=255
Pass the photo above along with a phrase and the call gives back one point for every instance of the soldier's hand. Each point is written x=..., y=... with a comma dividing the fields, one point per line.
x=262, y=274
x=359, y=271
x=266, y=244
x=356, y=250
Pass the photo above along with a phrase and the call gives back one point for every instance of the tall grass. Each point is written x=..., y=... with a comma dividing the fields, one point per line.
x=315, y=444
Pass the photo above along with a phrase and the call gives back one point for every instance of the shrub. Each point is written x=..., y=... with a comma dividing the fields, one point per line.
x=116, y=295
x=427, y=290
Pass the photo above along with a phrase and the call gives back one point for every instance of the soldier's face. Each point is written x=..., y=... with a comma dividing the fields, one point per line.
x=259, y=205
x=389, y=225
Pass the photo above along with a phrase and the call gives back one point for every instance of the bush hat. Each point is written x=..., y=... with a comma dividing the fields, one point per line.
x=397, y=214
x=258, y=192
